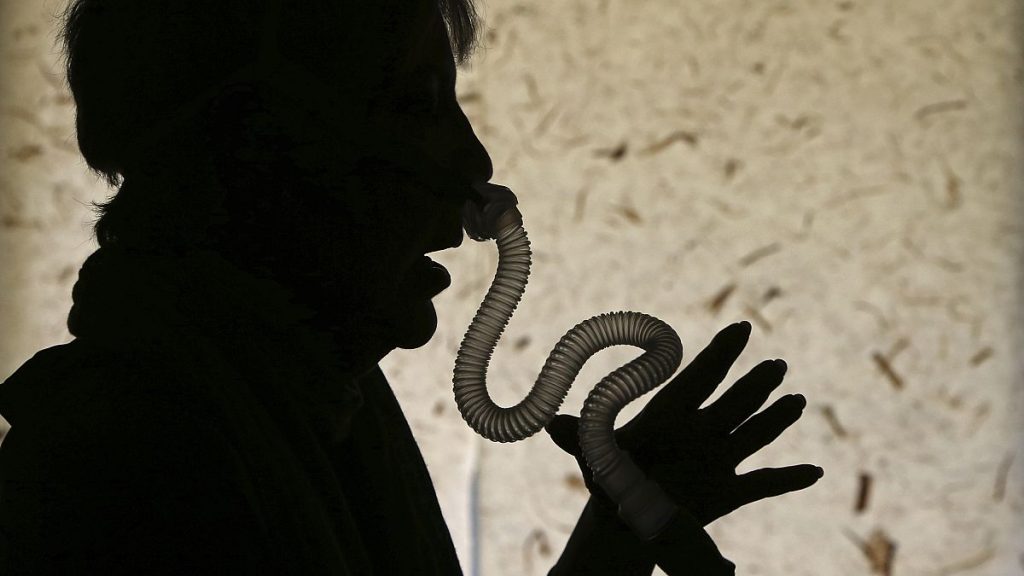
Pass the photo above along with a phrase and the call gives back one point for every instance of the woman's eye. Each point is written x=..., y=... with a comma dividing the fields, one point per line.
x=420, y=105
x=423, y=102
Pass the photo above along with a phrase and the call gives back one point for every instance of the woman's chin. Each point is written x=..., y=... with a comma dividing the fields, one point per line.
x=416, y=325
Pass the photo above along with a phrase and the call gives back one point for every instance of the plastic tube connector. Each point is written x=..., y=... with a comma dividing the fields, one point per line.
x=498, y=211
x=643, y=505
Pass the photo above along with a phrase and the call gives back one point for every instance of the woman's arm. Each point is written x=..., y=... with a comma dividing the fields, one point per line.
x=602, y=544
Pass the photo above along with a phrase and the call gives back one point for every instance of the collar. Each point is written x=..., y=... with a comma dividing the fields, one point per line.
x=142, y=300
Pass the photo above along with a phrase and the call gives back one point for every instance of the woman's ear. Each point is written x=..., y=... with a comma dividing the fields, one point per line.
x=239, y=127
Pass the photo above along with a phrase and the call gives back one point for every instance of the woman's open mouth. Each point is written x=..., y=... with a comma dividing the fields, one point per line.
x=429, y=276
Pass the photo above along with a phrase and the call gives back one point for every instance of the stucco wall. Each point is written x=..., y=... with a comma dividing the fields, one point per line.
x=846, y=175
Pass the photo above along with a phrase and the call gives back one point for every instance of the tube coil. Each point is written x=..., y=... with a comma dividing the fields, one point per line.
x=643, y=505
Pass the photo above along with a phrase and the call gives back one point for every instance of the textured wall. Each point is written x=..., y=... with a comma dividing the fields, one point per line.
x=846, y=175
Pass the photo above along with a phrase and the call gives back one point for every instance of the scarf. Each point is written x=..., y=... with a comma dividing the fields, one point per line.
x=340, y=484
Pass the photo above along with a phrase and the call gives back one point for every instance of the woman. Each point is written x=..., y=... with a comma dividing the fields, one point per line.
x=283, y=166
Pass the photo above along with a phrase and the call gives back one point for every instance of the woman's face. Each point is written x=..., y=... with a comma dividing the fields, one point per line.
x=424, y=158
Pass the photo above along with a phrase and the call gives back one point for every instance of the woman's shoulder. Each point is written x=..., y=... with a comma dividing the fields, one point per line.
x=80, y=374
x=44, y=377
x=107, y=462
x=82, y=406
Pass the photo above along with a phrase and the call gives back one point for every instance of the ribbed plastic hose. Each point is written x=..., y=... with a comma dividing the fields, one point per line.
x=643, y=505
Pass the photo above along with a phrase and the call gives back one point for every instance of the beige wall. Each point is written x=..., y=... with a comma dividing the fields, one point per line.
x=847, y=173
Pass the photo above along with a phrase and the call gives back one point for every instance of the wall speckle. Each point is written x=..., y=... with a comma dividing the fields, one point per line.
x=846, y=175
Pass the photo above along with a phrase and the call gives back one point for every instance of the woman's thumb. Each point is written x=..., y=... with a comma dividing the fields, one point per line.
x=562, y=429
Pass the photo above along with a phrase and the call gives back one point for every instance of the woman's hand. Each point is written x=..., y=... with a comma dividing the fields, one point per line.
x=693, y=452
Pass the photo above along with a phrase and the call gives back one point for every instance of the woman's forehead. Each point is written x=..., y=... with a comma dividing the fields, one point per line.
x=429, y=45
x=405, y=39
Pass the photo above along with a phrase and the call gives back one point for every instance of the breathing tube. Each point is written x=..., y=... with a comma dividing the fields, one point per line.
x=642, y=504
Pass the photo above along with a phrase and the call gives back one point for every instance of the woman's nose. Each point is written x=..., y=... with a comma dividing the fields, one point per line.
x=468, y=155
x=478, y=167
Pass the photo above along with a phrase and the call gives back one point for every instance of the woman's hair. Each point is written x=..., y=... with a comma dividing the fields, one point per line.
x=133, y=66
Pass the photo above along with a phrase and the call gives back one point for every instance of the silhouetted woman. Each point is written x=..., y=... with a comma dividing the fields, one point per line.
x=282, y=167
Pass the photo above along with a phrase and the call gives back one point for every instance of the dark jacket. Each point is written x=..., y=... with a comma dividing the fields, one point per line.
x=197, y=424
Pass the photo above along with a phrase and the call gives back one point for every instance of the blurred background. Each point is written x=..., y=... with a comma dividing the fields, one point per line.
x=846, y=175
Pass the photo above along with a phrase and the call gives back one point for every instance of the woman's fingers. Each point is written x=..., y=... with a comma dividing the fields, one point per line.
x=745, y=397
x=695, y=383
x=762, y=429
x=769, y=482
x=563, y=431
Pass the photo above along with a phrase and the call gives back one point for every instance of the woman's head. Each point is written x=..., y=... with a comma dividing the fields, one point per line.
x=318, y=142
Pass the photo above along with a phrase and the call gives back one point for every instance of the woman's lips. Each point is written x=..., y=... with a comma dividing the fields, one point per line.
x=429, y=276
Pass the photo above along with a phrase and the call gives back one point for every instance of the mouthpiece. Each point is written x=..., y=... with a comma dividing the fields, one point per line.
x=495, y=210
